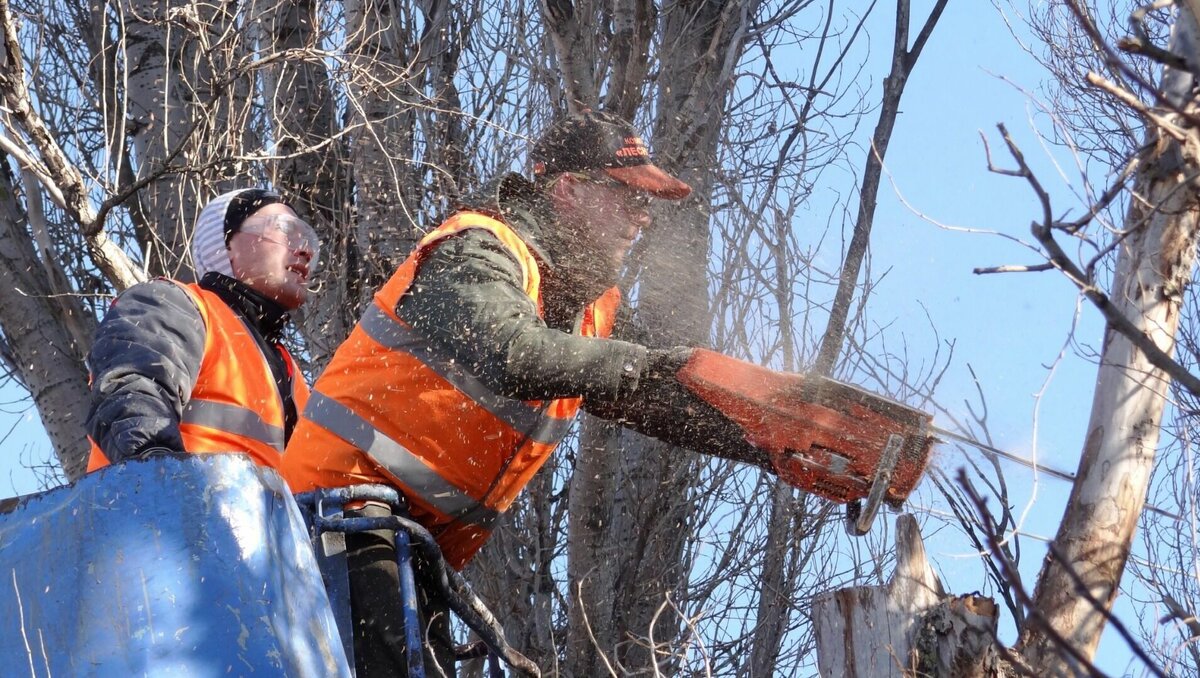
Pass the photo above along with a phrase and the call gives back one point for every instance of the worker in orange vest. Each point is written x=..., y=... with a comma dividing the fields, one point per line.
x=201, y=367
x=471, y=362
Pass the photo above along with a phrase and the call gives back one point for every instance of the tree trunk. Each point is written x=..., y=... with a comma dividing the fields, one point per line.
x=593, y=545
x=656, y=508
x=908, y=627
x=776, y=589
x=310, y=170
x=48, y=362
x=1154, y=264
x=160, y=124
x=575, y=49
x=777, y=583
x=381, y=122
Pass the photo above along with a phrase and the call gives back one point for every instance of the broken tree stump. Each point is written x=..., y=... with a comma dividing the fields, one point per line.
x=909, y=627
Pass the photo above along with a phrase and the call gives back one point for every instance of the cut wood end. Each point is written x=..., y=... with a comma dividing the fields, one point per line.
x=980, y=605
x=912, y=566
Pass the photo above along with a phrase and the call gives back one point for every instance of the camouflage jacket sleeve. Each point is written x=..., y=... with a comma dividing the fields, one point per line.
x=467, y=299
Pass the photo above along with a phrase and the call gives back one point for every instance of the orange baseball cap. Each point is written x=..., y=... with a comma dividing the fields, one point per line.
x=595, y=140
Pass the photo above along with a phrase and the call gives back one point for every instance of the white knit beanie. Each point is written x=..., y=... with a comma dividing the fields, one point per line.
x=209, y=250
x=210, y=238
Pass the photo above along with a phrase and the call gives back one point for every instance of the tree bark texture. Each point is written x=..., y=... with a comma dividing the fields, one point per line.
x=594, y=546
x=38, y=344
x=310, y=166
x=166, y=71
x=908, y=627
x=1154, y=264
x=384, y=95
x=574, y=49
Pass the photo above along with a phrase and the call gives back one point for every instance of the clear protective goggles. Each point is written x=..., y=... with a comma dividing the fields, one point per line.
x=632, y=199
x=290, y=231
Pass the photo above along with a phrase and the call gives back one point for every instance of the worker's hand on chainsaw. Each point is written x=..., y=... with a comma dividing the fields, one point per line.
x=664, y=363
x=663, y=407
x=664, y=377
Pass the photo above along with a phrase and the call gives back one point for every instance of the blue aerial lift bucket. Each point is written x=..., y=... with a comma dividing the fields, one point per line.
x=198, y=566
x=189, y=565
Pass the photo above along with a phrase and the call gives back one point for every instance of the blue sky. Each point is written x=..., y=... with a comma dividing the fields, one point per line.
x=1008, y=327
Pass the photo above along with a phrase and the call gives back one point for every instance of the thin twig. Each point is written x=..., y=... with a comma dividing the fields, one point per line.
x=1114, y=317
x=1013, y=268
x=1098, y=606
x=1033, y=615
x=1126, y=97
x=1114, y=61
x=1188, y=618
x=1142, y=44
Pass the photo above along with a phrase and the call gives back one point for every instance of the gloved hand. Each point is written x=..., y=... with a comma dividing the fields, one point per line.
x=645, y=378
x=663, y=363
x=155, y=451
x=662, y=407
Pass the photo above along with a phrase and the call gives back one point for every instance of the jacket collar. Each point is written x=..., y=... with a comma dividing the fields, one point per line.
x=265, y=315
x=517, y=202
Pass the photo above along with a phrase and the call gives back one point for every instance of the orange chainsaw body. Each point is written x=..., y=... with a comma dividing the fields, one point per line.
x=837, y=441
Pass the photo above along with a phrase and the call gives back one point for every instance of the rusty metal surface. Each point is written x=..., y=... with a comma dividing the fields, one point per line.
x=197, y=565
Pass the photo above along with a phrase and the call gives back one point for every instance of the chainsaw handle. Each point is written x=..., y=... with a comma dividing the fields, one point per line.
x=860, y=516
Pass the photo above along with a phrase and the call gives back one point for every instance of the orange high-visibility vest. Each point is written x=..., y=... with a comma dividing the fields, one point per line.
x=392, y=408
x=235, y=404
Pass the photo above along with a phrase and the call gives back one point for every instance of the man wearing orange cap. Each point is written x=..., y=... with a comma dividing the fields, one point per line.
x=469, y=366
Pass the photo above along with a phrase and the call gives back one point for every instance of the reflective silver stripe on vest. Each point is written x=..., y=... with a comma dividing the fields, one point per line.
x=520, y=415
x=233, y=419
x=398, y=460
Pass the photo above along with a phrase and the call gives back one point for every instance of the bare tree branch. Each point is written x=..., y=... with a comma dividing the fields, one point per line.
x=903, y=61
x=1009, y=571
x=1044, y=233
x=57, y=172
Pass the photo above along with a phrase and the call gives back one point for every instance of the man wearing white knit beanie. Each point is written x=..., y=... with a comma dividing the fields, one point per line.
x=201, y=367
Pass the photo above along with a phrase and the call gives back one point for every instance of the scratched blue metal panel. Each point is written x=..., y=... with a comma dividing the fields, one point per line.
x=330, y=551
x=179, y=566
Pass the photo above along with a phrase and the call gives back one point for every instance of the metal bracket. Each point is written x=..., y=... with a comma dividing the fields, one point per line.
x=859, y=516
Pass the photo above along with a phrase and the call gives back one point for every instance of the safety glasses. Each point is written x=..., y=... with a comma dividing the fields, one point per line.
x=633, y=199
x=287, y=230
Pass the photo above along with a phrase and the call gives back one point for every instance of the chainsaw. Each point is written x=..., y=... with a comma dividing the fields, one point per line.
x=832, y=439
